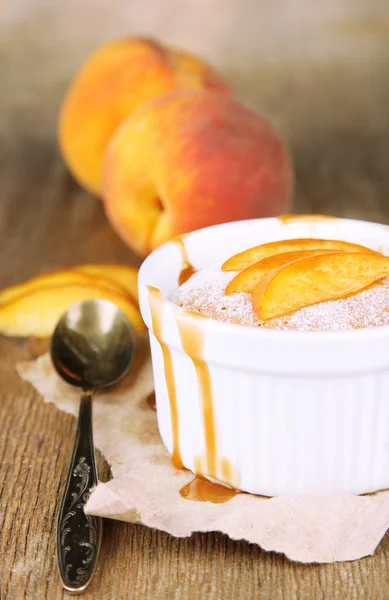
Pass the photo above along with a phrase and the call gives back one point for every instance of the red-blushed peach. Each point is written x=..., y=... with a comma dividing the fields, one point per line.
x=190, y=159
x=115, y=80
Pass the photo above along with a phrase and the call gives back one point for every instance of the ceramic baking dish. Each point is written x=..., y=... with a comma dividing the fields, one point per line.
x=266, y=411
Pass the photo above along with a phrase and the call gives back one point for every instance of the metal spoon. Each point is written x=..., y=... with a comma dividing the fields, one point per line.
x=92, y=347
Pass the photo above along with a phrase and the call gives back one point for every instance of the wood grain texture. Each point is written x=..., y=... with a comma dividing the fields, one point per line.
x=46, y=222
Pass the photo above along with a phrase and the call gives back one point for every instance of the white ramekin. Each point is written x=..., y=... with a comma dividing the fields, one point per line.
x=294, y=412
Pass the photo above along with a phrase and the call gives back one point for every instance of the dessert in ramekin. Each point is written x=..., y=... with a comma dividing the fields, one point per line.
x=292, y=409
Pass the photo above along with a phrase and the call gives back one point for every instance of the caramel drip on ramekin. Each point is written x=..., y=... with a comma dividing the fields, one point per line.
x=187, y=269
x=304, y=218
x=156, y=309
x=312, y=220
x=226, y=469
x=201, y=489
x=192, y=339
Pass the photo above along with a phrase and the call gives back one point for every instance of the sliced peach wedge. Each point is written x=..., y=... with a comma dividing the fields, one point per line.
x=33, y=307
x=124, y=276
x=37, y=312
x=63, y=277
x=245, y=259
x=248, y=279
x=316, y=279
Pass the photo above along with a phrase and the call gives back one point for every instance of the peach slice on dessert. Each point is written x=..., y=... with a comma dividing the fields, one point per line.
x=316, y=279
x=248, y=257
x=248, y=279
x=37, y=312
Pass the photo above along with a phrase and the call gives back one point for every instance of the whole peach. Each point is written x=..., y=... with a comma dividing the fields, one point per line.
x=114, y=81
x=190, y=159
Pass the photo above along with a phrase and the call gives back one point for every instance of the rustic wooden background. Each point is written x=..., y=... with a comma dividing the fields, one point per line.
x=319, y=70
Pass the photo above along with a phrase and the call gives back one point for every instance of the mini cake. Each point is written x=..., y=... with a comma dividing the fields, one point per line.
x=273, y=377
x=229, y=295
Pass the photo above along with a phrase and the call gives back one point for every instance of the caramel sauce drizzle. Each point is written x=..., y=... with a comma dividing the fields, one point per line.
x=226, y=469
x=307, y=218
x=202, y=490
x=156, y=308
x=199, y=489
x=192, y=339
x=187, y=269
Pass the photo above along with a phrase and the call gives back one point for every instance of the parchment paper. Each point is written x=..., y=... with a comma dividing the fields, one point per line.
x=145, y=486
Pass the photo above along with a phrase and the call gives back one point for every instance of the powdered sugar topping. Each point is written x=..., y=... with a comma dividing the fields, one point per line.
x=204, y=293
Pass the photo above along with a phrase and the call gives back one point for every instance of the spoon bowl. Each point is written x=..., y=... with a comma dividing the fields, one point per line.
x=92, y=347
x=93, y=344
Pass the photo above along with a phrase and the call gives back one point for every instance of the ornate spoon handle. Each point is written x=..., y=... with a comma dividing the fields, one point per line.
x=78, y=534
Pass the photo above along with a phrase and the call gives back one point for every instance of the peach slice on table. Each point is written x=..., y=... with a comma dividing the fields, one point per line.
x=316, y=279
x=248, y=257
x=37, y=312
x=121, y=275
x=63, y=277
x=248, y=279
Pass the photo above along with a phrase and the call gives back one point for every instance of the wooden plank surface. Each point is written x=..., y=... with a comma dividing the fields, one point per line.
x=46, y=222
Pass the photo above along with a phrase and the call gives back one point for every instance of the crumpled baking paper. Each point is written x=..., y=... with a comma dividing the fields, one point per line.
x=145, y=486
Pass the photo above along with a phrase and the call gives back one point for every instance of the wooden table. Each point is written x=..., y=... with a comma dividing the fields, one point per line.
x=46, y=222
